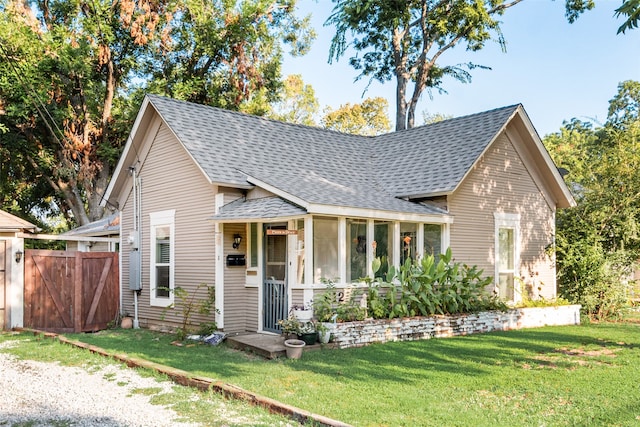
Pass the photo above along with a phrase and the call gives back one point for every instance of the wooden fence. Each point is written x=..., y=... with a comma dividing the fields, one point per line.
x=70, y=291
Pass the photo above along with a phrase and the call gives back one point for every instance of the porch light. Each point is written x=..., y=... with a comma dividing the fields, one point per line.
x=19, y=254
x=237, y=239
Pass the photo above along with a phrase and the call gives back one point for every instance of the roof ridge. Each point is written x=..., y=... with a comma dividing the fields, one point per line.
x=243, y=114
x=452, y=119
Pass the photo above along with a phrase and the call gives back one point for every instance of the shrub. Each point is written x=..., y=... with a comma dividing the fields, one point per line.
x=428, y=288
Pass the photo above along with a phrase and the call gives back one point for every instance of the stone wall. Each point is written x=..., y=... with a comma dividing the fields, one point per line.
x=356, y=334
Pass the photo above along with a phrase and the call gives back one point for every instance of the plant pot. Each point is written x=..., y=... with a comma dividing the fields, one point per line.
x=303, y=315
x=309, y=338
x=328, y=329
x=324, y=336
x=294, y=348
x=126, y=323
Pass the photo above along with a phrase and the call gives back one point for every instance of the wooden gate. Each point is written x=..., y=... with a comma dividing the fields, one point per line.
x=70, y=291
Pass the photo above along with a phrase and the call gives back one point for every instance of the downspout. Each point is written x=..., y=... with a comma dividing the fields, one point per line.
x=136, y=231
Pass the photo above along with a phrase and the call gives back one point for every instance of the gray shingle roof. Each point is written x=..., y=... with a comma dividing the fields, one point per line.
x=263, y=208
x=331, y=168
x=433, y=159
x=101, y=227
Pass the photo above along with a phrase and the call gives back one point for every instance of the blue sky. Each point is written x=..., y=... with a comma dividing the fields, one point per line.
x=557, y=70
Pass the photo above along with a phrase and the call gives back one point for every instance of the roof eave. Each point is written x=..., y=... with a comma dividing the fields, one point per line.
x=352, y=212
x=566, y=199
x=124, y=157
x=424, y=195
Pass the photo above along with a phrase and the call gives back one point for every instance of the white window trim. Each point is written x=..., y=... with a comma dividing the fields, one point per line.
x=161, y=219
x=507, y=220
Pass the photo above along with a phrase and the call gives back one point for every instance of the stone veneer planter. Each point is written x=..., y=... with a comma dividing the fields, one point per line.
x=356, y=334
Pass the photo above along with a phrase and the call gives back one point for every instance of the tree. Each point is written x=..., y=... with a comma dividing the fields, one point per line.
x=598, y=241
x=72, y=74
x=404, y=40
x=630, y=9
x=368, y=118
x=297, y=102
x=430, y=118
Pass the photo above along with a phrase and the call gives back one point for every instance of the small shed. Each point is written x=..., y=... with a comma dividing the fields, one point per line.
x=108, y=227
x=12, y=230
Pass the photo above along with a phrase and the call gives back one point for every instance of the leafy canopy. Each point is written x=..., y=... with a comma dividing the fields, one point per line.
x=368, y=118
x=73, y=72
x=405, y=40
x=598, y=241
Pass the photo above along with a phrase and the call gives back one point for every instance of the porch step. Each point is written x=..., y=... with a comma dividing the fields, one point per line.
x=268, y=346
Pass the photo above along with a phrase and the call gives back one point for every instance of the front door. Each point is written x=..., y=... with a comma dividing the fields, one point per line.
x=275, y=277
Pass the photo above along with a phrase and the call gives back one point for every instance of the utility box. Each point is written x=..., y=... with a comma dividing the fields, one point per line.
x=135, y=284
x=134, y=239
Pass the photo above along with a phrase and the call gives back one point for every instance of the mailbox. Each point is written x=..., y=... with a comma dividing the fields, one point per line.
x=236, y=260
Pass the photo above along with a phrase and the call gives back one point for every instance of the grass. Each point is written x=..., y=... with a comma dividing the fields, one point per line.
x=208, y=409
x=554, y=376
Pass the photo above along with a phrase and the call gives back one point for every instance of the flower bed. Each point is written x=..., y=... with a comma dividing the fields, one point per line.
x=356, y=334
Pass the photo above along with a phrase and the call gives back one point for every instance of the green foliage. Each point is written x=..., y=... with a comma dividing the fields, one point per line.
x=405, y=41
x=532, y=377
x=424, y=288
x=190, y=303
x=631, y=10
x=297, y=103
x=290, y=325
x=73, y=74
x=325, y=304
x=368, y=118
x=327, y=307
x=598, y=241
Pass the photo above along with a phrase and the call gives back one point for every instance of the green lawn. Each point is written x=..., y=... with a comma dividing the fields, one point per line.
x=554, y=376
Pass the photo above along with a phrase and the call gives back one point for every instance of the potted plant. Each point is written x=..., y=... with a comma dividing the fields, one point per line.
x=324, y=305
x=308, y=333
x=303, y=313
x=324, y=332
x=290, y=327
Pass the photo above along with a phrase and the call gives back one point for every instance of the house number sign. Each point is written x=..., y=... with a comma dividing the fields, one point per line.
x=278, y=232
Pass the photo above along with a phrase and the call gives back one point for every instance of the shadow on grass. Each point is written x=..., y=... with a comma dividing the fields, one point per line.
x=473, y=355
x=400, y=362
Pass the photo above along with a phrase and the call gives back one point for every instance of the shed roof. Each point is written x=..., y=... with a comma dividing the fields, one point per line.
x=102, y=227
x=9, y=222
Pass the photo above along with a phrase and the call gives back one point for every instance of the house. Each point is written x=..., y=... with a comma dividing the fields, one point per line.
x=12, y=230
x=267, y=212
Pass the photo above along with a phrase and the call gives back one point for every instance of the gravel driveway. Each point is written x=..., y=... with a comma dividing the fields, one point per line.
x=46, y=394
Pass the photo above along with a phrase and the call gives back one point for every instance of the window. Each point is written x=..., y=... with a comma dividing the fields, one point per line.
x=381, y=247
x=162, y=258
x=300, y=251
x=433, y=240
x=407, y=242
x=253, y=245
x=507, y=228
x=325, y=249
x=356, y=250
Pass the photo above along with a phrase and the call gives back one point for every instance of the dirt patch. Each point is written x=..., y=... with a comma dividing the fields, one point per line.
x=571, y=358
x=588, y=353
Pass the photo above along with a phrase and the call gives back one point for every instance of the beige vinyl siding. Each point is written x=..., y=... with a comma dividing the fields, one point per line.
x=251, y=311
x=170, y=180
x=501, y=183
x=235, y=291
x=126, y=227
